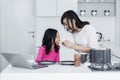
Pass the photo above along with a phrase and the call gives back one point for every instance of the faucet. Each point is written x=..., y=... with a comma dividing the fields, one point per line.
x=100, y=36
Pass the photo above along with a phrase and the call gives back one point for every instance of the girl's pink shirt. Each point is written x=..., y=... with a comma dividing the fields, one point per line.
x=52, y=56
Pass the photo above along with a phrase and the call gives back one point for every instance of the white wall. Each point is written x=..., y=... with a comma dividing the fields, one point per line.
x=0, y=39
x=118, y=23
x=106, y=25
x=3, y=62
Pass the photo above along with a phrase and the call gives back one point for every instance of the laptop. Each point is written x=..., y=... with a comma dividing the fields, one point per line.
x=17, y=60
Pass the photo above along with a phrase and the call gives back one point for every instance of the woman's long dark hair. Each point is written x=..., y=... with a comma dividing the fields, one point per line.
x=49, y=39
x=70, y=15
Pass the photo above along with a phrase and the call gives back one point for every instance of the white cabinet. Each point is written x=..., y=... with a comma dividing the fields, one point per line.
x=54, y=7
x=17, y=22
x=64, y=5
x=46, y=7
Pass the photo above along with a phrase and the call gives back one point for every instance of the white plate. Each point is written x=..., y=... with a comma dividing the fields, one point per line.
x=67, y=62
x=47, y=62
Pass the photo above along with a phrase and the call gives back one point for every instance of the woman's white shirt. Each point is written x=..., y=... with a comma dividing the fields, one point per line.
x=86, y=37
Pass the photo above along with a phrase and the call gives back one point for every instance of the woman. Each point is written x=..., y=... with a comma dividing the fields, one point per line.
x=83, y=33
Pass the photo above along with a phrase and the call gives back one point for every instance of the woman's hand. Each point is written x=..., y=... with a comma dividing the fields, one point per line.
x=68, y=44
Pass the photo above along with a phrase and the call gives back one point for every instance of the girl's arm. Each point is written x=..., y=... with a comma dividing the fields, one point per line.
x=58, y=56
x=40, y=54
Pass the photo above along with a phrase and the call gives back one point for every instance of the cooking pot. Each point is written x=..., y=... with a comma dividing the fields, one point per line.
x=100, y=56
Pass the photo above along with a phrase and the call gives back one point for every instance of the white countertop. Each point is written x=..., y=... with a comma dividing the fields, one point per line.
x=56, y=72
x=14, y=73
x=55, y=68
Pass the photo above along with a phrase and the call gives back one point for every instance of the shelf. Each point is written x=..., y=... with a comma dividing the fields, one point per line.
x=97, y=1
x=94, y=8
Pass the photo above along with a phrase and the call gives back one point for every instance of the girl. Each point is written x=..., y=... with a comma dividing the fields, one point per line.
x=50, y=46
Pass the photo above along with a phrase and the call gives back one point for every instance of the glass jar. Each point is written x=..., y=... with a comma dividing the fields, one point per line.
x=77, y=59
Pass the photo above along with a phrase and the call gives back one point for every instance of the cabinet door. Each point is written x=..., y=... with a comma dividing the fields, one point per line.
x=17, y=27
x=64, y=5
x=46, y=7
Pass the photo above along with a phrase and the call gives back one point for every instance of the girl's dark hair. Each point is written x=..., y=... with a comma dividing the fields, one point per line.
x=70, y=15
x=49, y=39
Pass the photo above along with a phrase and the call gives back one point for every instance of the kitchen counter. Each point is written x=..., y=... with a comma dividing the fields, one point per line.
x=14, y=73
x=56, y=71
x=55, y=68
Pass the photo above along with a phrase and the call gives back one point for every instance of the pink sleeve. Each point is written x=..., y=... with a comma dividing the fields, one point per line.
x=58, y=57
x=40, y=54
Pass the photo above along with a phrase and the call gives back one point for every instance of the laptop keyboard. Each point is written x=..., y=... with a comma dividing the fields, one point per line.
x=37, y=66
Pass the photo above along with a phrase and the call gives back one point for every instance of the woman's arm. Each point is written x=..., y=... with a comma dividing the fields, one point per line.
x=82, y=48
x=71, y=45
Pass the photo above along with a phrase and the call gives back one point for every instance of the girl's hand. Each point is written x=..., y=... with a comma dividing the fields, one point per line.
x=68, y=44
